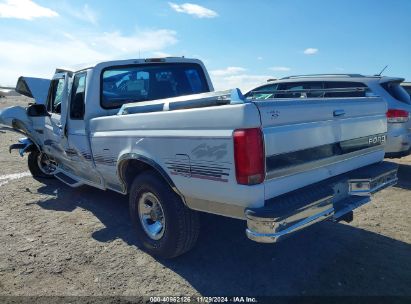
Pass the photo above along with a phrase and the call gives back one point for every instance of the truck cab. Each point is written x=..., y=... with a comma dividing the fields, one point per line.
x=62, y=117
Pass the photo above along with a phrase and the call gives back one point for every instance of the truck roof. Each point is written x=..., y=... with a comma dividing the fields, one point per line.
x=86, y=66
x=334, y=77
x=339, y=77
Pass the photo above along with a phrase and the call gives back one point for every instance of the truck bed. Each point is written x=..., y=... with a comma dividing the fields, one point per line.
x=305, y=142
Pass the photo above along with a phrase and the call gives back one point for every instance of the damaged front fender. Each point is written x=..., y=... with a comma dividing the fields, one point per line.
x=24, y=145
x=16, y=119
x=8, y=116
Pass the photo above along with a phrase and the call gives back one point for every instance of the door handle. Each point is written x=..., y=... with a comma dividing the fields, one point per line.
x=338, y=113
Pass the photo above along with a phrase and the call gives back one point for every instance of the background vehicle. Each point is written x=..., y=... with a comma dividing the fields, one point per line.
x=153, y=129
x=389, y=88
x=407, y=87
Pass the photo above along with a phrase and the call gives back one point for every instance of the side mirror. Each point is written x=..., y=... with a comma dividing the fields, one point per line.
x=37, y=110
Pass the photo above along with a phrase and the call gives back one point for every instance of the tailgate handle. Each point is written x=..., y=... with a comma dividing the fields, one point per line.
x=339, y=113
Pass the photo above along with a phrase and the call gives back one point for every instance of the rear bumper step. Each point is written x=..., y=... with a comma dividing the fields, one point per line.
x=332, y=199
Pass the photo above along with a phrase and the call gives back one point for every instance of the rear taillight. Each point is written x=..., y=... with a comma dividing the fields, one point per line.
x=249, y=156
x=394, y=115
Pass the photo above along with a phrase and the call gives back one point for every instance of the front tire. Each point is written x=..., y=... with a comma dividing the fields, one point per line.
x=164, y=225
x=39, y=165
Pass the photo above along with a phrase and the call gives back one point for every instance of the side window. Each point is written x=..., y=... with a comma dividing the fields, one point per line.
x=55, y=96
x=344, y=85
x=302, y=90
x=77, y=105
x=264, y=92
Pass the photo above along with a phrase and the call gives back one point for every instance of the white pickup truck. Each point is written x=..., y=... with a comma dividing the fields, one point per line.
x=154, y=129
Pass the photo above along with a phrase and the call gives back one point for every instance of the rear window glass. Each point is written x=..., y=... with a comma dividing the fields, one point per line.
x=122, y=85
x=396, y=91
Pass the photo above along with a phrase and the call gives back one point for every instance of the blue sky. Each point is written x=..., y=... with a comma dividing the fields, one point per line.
x=241, y=42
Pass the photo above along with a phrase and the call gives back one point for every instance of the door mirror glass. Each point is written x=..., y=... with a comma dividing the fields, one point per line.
x=37, y=110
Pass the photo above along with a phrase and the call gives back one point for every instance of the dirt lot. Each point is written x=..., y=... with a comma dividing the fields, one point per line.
x=61, y=241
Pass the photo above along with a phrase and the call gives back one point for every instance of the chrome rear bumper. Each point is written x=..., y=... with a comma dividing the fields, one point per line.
x=331, y=199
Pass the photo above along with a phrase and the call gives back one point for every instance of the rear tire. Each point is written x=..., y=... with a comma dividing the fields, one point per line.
x=164, y=225
x=36, y=165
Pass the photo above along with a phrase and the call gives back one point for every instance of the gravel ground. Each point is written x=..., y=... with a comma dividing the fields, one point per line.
x=61, y=241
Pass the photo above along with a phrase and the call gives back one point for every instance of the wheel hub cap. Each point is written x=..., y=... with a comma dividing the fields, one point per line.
x=151, y=215
x=45, y=164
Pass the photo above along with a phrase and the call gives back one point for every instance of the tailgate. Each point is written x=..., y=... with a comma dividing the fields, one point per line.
x=328, y=136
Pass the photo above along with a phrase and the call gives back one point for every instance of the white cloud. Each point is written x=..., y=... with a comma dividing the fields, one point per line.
x=280, y=69
x=24, y=9
x=39, y=56
x=227, y=71
x=310, y=51
x=89, y=14
x=161, y=54
x=193, y=9
x=235, y=77
x=260, y=58
x=245, y=82
x=86, y=13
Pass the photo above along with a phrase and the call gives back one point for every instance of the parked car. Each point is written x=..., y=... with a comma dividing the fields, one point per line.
x=351, y=85
x=407, y=87
x=154, y=129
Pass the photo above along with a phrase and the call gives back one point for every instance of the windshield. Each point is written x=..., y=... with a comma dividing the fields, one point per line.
x=122, y=85
x=397, y=91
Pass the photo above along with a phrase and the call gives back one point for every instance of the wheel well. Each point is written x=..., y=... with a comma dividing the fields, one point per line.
x=129, y=169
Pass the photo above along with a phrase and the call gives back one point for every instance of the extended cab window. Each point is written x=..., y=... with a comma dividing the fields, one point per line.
x=136, y=83
x=77, y=105
x=349, y=88
x=55, y=96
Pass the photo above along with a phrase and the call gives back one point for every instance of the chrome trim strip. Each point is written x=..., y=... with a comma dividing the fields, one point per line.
x=344, y=143
x=320, y=163
x=96, y=135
